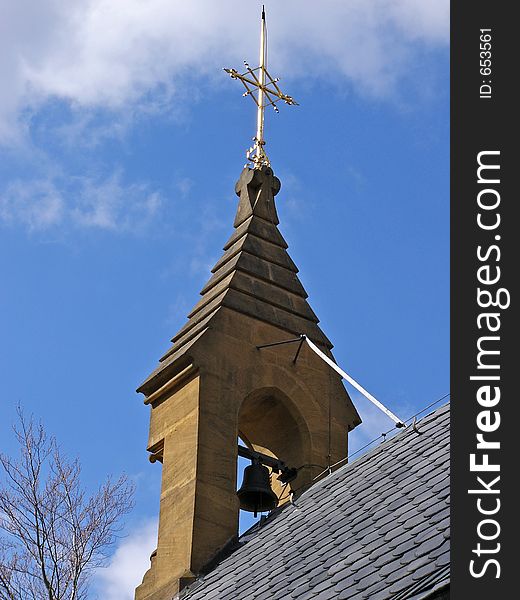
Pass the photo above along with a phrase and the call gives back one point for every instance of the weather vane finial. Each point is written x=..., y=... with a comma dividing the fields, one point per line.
x=267, y=92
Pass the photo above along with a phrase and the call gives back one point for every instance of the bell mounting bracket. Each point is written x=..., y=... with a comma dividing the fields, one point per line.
x=286, y=474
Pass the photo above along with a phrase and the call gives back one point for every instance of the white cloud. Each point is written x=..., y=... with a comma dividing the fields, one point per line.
x=184, y=185
x=129, y=562
x=85, y=202
x=123, y=54
x=113, y=205
x=34, y=204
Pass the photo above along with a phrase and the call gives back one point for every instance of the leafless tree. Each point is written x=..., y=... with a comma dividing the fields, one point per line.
x=52, y=534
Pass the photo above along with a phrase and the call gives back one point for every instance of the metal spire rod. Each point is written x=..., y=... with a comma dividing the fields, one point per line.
x=258, y=81
x=260, y=113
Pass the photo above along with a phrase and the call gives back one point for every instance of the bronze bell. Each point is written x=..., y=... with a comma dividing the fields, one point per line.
x=256, y=494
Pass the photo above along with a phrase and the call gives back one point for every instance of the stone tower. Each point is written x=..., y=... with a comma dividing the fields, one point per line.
x=214, y=385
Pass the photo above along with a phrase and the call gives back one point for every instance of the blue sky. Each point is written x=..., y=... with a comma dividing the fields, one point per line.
x=120, y=142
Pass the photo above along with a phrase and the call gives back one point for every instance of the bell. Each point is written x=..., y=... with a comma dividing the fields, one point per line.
x=256, y=494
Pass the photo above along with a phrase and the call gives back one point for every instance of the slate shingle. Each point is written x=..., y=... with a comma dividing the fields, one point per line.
x=375, y=529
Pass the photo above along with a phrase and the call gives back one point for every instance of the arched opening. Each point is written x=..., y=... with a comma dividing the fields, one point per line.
x=270, y=423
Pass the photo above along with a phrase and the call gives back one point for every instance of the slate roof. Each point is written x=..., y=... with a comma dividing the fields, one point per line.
x=376, y=529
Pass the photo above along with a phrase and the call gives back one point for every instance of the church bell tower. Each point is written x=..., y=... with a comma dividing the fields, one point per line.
x=217, y=383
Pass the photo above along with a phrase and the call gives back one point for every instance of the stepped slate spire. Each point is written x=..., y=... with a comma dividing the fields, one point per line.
x=255, y=276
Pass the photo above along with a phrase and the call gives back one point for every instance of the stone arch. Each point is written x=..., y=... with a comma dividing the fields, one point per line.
x=271, y=423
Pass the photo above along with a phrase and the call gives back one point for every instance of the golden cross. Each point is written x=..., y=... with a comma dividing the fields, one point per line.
x=267, y=94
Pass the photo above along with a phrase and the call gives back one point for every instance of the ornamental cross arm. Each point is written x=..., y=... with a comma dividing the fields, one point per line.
x=252, y=83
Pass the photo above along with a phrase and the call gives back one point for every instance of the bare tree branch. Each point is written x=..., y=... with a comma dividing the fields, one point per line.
x=52, y=535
